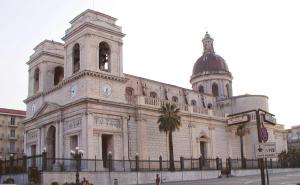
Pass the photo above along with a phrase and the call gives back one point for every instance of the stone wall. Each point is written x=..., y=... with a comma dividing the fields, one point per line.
x=127, y=178
x=257, y=171
x=20, y=179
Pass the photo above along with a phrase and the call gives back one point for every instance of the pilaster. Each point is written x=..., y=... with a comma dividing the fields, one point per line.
x=57, y=143
x=125, y=137
x=142, y=142
x=61, y=140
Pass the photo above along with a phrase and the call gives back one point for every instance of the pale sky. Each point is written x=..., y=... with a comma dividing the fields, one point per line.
x=258, y=39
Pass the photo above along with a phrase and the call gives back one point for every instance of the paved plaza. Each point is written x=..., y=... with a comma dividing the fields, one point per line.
x=291, y=178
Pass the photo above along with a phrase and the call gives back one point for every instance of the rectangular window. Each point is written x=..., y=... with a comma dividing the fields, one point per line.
x=12, y=120
x=12, y=133
x=12, y=146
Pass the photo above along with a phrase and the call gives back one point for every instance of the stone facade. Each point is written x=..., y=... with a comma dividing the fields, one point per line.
x=102, y=110
x=294, y=138
x=11, y=132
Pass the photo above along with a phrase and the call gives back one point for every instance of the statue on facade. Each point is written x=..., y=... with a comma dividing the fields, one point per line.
x=144, y=87
x=185, y=93
x=166, y=93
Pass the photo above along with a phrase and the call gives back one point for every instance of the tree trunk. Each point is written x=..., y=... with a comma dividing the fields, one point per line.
x=172, y=166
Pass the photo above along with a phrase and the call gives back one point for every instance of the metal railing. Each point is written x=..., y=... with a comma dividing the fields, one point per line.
x=254, y=164
x=43, y=163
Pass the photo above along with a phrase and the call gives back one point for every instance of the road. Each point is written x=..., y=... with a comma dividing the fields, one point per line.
x=291, y=178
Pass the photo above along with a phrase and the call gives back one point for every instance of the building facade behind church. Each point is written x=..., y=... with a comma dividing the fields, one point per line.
x=11, y=133
x=78, y=95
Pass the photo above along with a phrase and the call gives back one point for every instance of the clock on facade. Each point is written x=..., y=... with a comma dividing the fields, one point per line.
x=106, y=89
x=73, y=90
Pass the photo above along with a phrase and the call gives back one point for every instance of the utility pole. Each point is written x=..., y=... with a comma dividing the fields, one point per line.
x=260, y=161
x=245, y=118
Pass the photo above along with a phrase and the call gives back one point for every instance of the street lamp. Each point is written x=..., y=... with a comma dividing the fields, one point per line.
x=77, y=154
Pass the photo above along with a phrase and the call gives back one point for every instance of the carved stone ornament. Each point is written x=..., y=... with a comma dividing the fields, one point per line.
x=108, y=123
x=32, y=135
x=72, y=124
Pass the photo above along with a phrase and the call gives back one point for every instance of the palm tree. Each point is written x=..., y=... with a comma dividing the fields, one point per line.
x=241, y=132
x=169, y=121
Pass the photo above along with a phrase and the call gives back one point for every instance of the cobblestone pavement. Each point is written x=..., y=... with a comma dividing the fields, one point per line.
x=292, y=178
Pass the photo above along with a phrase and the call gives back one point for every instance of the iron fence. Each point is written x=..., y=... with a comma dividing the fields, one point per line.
x=254, y=164
x=43, y=163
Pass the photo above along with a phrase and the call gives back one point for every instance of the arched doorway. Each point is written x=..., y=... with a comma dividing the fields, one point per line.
x=203, y=146
x=51, y=144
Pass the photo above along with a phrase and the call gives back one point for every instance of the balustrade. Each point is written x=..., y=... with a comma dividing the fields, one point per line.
x=157, y=103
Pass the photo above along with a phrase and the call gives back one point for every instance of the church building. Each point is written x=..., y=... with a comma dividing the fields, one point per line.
x=79, y=96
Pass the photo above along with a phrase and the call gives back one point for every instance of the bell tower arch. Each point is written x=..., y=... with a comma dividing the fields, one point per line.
x=98, y=43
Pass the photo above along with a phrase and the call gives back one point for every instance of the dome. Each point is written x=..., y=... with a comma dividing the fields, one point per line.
x=209, y=62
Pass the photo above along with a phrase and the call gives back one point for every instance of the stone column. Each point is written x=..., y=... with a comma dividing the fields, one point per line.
x=57, y=140
x=42, y=139
x=38, y=142
x=90, y=140
x=25, y=143
x=142, y=139
x=125, y=137
x=84, y=136
x=61, y=140
x=211, y=141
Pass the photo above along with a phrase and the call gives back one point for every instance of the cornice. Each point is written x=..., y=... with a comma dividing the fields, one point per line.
x=211, y=76
x=42, y=53
x=76, y=103
x=87, y=24
x=75, y=77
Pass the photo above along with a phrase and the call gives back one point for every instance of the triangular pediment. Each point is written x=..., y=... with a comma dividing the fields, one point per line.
x=47, y=107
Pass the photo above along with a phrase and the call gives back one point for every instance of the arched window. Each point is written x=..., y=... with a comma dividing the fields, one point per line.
x=209, y=105
x=129, y=91
x=193, y=103
x=228, y=90
x=201, y=89
x=58, y=74
x=215, y=90
x=174, y=99
x=76, y=58
x=104, y=56
x=153, y=94
x=36, y=80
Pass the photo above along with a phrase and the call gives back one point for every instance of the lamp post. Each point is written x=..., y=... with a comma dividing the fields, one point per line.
x=77, y=154
x=44, y=158
x=11, y=161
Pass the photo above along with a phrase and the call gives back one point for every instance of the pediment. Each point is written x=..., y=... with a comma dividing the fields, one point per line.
x=47, y=107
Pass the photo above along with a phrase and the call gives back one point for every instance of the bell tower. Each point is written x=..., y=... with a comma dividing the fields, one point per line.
x=93, y=43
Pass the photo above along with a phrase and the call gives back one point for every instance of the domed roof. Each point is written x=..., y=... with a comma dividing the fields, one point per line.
x=209, y=62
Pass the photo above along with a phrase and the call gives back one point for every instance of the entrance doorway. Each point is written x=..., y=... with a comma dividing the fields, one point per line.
x=107, y=146
x=51, y=144
x=203, y=150
x=33, y=153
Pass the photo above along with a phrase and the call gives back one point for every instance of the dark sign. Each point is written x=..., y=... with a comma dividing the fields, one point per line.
x=269, y=119
x=264, y=134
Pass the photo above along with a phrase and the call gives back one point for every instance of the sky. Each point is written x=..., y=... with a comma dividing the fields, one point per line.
x=258, y=39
